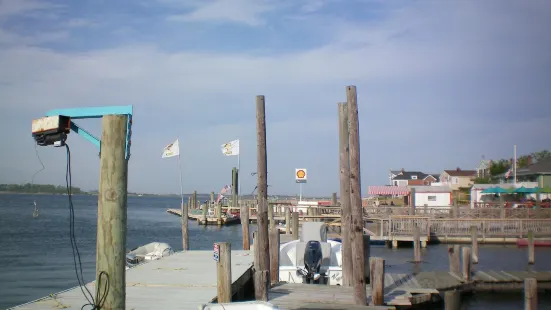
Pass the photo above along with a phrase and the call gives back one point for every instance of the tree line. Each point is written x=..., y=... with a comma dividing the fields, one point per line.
x=503, y=165
x=38, y=188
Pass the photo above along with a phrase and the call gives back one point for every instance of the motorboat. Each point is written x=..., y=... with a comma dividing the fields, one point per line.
x=148, y=252
x=312, y=259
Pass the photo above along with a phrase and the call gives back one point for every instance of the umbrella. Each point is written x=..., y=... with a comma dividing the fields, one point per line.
x=525, y=190
x=489, y=190
x=496, y=190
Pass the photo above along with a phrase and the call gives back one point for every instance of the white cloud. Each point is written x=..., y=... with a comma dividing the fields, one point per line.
x=246, y=12
x=18, y=7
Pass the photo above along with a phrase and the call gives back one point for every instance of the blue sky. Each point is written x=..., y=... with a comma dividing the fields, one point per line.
x=440, y=83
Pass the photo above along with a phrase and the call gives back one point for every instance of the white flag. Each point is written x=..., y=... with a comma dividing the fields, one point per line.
x=231, y=148
x=171, y=150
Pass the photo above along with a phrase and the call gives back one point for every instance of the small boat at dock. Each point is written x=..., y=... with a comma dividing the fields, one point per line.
x=148, y=252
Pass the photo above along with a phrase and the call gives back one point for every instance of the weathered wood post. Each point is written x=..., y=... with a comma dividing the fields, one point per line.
x=360, y=295
x=212, y=198
x=287, y=221
x=185, y=229
x=466, y=252
x=295, y=226
x=454, y=258
x=412, y=202
x=344, y=167
x=416, y=244
x=377, y=280
x=271, y=219
x=218, y=213
x=262, y=265
x=334, y=200
x=474, y=243
x=244, y=214
x=452, y=300
x=223, y=273
x=367, y=256
x=194, y=198
x=274, y=255
x=112, y=216
x=204, y=214
x=530, y=294
x=531, y=250
x=455, y=208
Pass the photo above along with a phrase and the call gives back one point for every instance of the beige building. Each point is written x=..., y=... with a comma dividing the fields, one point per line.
x=458, y=178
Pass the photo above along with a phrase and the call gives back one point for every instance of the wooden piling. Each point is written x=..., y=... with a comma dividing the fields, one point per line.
x=185, y=229
x=377, y=280
x=466, y=253
x=212, y=198
x=531, y=250
x=244, y=214
x=454, y=258
x=271, y=221
x=194, y=198
x=287, y=221
x=334, y=199
x=417, y=245
x=262, y=265
x=112, y=213
x=474, y=244
x=530, y=294
x=452, y=300
x=295, y=226
x=344, y=167
x=360, y=297
x=274, y=255
x=223, y=273
x=218, y=213
x=367, y=256
x=204, y=214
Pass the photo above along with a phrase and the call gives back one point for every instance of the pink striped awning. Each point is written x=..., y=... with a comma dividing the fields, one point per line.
x=388, y=190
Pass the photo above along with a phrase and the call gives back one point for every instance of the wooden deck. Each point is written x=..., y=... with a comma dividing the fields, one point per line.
x=401, y=290
x=184, y=280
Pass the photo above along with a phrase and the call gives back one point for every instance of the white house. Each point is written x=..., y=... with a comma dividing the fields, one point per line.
x=432, y=196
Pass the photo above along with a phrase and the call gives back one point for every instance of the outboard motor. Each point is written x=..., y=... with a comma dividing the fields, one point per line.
x=312, y=261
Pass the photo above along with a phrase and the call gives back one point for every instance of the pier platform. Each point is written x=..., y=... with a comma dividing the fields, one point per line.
x=402, y=290
x=184, y=280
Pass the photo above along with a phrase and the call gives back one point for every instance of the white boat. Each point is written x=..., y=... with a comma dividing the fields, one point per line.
x=148, y=252
x=312, y=258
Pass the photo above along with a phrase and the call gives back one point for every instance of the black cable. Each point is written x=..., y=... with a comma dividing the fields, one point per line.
x=95, y=303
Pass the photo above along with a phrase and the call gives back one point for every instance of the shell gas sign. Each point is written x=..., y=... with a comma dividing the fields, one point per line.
x=301, y=175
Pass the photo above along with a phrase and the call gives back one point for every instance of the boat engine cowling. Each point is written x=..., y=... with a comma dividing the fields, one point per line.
x=312, y=261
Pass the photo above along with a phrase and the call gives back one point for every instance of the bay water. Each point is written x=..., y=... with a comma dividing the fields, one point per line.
x=37, y=257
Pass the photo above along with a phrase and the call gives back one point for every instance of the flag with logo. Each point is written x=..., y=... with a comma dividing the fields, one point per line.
x=171, y=150
x=231, y=148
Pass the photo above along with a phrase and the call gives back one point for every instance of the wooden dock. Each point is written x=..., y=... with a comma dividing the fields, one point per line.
x=402, y=290
x=185, y=280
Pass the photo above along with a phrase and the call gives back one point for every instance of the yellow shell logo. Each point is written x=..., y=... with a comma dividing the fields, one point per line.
x=301, y=174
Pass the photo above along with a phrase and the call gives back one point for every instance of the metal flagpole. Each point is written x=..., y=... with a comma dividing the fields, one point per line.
x=515, y=165
x=181, y=186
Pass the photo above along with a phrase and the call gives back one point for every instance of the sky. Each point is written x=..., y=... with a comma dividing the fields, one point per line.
x=440, y=84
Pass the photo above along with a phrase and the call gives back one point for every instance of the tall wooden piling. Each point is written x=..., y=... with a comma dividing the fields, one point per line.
x=360, y=297
x=467, y=256
x=417, y=244
x=262, y=265
x=295, y=226
x=194, y=198
x=530, y=294
x=377, y=280
x=112, y=213
x=344, y=167
x=287, y=221
x=334, y=199
x=531, y=249
x=474, y=244
x=223, y=273
x=452, y=300
x=274, y=255
x=454, y=252
x=244, y=214
x=235, y=189
x=185, y=229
